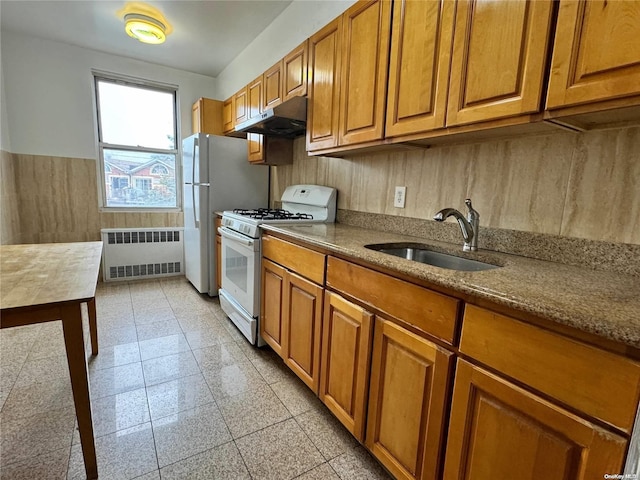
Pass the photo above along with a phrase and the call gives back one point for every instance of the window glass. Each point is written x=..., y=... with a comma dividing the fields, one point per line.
x=137, y=144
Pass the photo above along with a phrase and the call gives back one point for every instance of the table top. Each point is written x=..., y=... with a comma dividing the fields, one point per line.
x=48, y=273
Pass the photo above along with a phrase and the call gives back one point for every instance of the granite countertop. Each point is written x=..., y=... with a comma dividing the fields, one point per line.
x=603, y=303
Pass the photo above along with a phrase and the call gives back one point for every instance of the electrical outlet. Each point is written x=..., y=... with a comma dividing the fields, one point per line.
x=399, y=197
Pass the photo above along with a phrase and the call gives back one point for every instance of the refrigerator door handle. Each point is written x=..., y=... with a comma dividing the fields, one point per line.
x=195, y=214
x=194, y=159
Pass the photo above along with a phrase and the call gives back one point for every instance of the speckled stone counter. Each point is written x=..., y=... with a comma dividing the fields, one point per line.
x=602, y=303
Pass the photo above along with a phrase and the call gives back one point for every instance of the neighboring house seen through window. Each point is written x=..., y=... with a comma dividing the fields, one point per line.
x=137, y=144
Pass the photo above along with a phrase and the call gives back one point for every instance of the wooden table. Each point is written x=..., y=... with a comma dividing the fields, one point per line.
x=47, y=282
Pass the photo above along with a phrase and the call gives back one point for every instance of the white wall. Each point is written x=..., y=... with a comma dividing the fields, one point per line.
x=4, y=124
x=49, y=97
x=300, y=20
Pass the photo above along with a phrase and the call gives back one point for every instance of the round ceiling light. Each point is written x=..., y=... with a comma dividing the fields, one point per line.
x=145, y=28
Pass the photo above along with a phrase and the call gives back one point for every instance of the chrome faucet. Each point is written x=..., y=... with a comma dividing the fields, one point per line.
x=469, y=226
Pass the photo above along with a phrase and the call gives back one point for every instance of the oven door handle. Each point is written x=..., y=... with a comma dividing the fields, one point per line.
x=236, y=237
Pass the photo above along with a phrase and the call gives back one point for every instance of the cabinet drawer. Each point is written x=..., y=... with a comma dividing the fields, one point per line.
x=601, y=384
x=301, y=260
x=429, y=311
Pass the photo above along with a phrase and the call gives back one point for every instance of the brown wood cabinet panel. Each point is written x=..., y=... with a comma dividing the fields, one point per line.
x=206, y=116
x=429, y=311
x=255, y=142
x=499, y=58
x=302, y=323
x=421, y=42
x=241, y=106
x=272, y=305
x=596, y=55
x=254, y=95
x=295, y=71
x=346, y=351
x=228, y=115
x=407, y=402
x=323, y=106
x=498, y=430
x=578, y=375
x=365, y=58
x=272, y=86
x=306, y=262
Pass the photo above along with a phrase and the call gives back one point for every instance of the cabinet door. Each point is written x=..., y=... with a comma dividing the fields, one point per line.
x=255, y=144
x=254, y=93
x=272, y=86
x=241, y=106
x=499, y=57
x=346, y=351
x=228, y=115
x=365, y=59
x=324, y=87
x=596, y=55
x=302, y=321
x=421, y=40
x=295, y=72
x=195, y=117
x=271, y=305
x=498, y=430
x=407, y=399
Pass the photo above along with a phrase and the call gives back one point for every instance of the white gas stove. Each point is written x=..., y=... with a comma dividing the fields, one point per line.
x=241, y=252
x=300, y=203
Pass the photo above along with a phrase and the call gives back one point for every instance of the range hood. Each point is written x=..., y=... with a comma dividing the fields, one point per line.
x=289, y=119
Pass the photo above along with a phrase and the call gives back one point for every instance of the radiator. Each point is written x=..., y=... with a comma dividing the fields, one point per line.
x=137, y=253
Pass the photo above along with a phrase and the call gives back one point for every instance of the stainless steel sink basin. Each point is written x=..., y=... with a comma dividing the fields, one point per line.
x=423, y=254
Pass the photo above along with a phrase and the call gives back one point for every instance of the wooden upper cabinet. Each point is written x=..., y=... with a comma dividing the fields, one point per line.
x=497, y=428
x=255, y=146
x=241, y=106
x=254, y=95
x=499, y=57
x=596, y=55
x=324, y=87
x=294, y=66
x=228, y=115
x=206, y=116
x=421, y=41
x=366, y=31
x=346, y=352
x=272, y=86
x=408, y=397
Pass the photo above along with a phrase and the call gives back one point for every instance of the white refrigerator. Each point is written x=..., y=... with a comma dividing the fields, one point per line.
x=216, y=176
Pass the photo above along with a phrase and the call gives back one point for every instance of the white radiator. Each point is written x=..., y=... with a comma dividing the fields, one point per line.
x=137, y=253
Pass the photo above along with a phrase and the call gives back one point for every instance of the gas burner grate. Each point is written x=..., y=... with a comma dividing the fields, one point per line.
x=272, y=214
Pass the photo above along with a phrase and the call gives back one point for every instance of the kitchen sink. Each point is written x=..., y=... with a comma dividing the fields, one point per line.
x=423, y=254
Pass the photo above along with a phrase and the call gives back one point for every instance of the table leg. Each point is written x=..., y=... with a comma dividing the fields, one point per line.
x=93, y=325
x=74, y=343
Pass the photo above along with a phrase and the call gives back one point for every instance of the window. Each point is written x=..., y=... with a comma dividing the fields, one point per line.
x=137, y=144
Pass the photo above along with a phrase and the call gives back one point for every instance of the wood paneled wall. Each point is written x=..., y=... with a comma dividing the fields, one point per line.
x=54, y=199
x=571, y=184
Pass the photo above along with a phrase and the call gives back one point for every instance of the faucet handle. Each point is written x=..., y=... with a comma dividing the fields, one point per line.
x=470, y=210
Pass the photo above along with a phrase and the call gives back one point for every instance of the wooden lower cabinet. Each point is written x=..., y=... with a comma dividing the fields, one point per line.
x=271, y=307
x=302, y=322
x=499, y=430
x=408, y=397
x=347, y=331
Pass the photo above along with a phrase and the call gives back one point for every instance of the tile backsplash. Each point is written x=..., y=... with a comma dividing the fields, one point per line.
x=580, y=185
x=55, y=199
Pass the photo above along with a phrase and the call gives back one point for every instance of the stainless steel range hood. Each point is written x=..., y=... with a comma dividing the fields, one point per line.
x=289, y=119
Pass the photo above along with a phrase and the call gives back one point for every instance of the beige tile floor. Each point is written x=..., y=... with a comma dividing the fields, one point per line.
x=176, y=393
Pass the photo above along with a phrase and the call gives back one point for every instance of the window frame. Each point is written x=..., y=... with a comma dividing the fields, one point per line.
x=97, y=76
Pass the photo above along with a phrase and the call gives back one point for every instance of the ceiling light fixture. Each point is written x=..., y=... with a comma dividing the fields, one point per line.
x=144, y=28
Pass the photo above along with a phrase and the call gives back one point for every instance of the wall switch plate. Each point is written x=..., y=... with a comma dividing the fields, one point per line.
x=399, y=197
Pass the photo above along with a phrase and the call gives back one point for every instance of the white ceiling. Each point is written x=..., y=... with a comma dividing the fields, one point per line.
x=207, y=35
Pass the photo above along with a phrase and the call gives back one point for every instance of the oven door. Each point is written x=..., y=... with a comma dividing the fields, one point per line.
x=241, y=269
